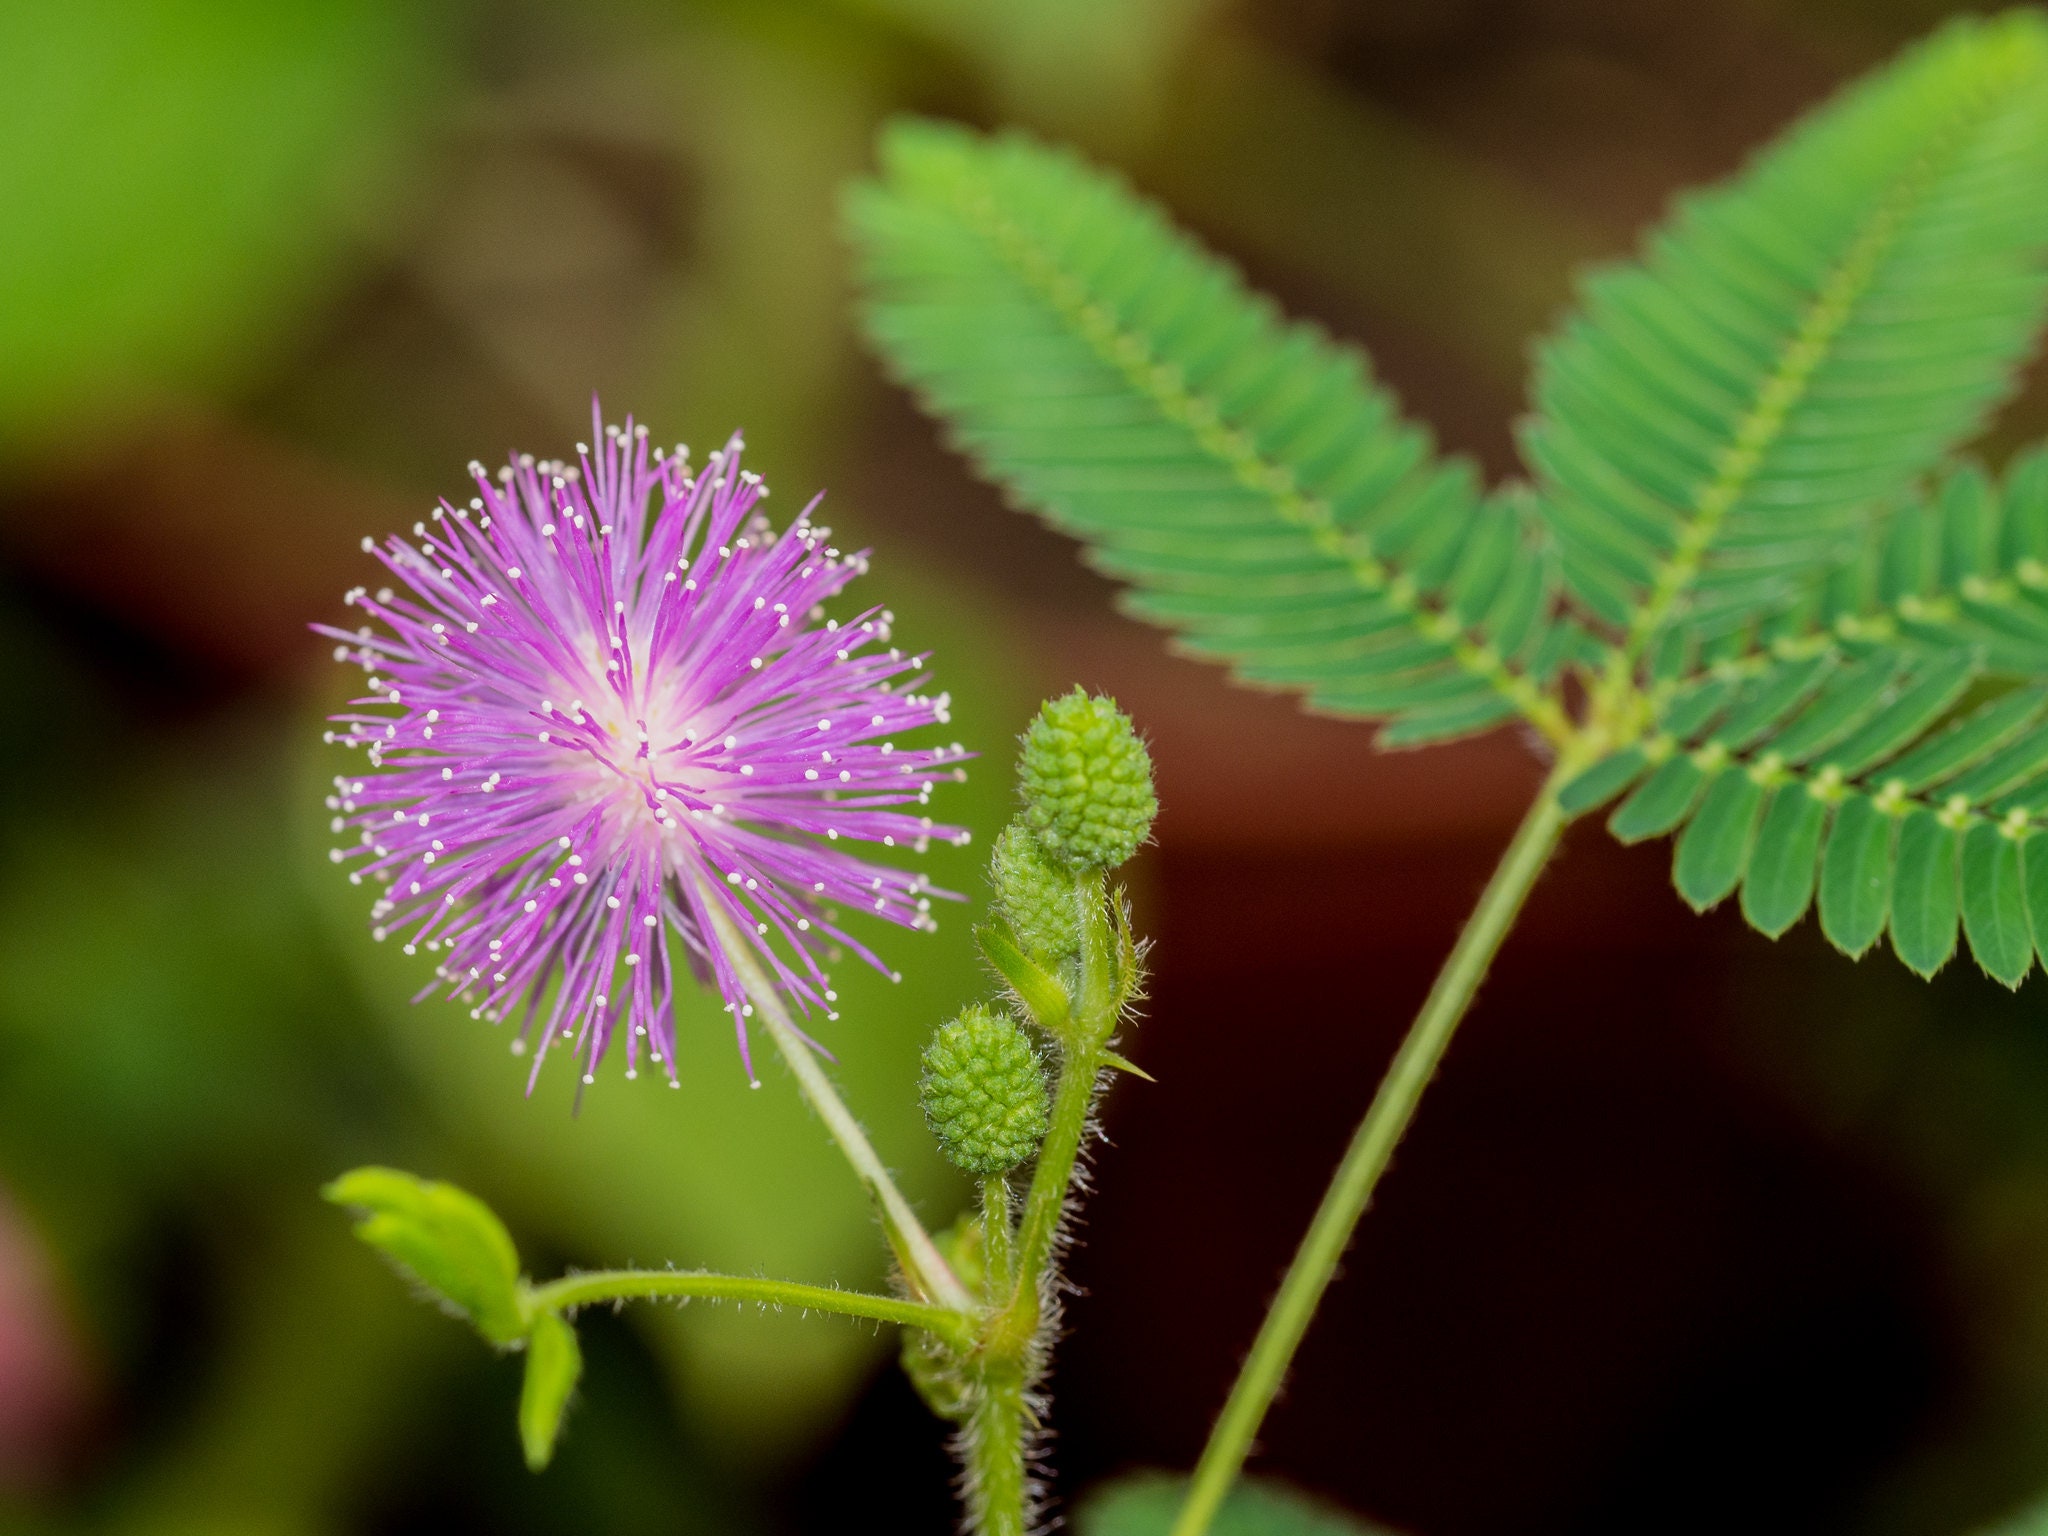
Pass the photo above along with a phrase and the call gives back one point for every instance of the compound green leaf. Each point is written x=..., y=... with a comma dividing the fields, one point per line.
x=1250, y=480
x=1740, y=456
x=1895, y=735
x=1795, y=347
x=1963, y=567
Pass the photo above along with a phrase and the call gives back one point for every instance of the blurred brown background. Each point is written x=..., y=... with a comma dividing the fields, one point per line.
x=1696, y=1232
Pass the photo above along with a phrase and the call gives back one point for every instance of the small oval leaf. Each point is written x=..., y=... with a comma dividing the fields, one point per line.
x=1995, y=904
x=1779, y=885
x=1714, y=849
x=554, y=1364
x=1660, y=802
x=443, y=1238
x=1924, y=892
x=1602, y=782
x=1856, y=876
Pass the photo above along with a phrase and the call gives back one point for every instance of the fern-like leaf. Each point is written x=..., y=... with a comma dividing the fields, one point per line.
x=1796, y=347
x=1247, y=477
x=1831, y=688
x=1899, y=788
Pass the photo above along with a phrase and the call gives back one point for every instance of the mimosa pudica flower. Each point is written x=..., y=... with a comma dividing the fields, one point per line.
x=604, y=701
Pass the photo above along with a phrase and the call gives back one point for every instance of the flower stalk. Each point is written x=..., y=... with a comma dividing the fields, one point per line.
x=923, y=1266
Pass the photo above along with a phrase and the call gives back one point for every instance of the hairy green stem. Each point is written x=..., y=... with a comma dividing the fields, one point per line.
x=602, y=1285
x=1045, y=1201
x=998, y=1487
x=995, y=1232
x=1088, y=1027
x=927, y=1272
x=1011, y=1355
x=993, y=1438
x=1372, y=1145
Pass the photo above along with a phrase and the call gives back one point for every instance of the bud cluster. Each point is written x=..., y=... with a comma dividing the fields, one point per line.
x=1086, y=782
x=1060, y=940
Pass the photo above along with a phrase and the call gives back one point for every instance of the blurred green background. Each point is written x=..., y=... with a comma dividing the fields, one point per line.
x=271, y=274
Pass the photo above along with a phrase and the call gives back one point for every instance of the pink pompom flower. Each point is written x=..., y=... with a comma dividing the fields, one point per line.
x=603, y=699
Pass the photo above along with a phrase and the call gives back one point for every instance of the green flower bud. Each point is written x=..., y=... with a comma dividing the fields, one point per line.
x=1087, y=782
x=984, y=1092
x=1035, y=896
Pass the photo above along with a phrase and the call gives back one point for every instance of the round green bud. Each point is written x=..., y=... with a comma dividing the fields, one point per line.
x=1035, y=896
x=984, y=1092
x=1087, y=782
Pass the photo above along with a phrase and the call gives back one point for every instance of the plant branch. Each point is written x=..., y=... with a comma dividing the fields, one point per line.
x=1372, y=1145
x=647, y=1284
x=922, y=1264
